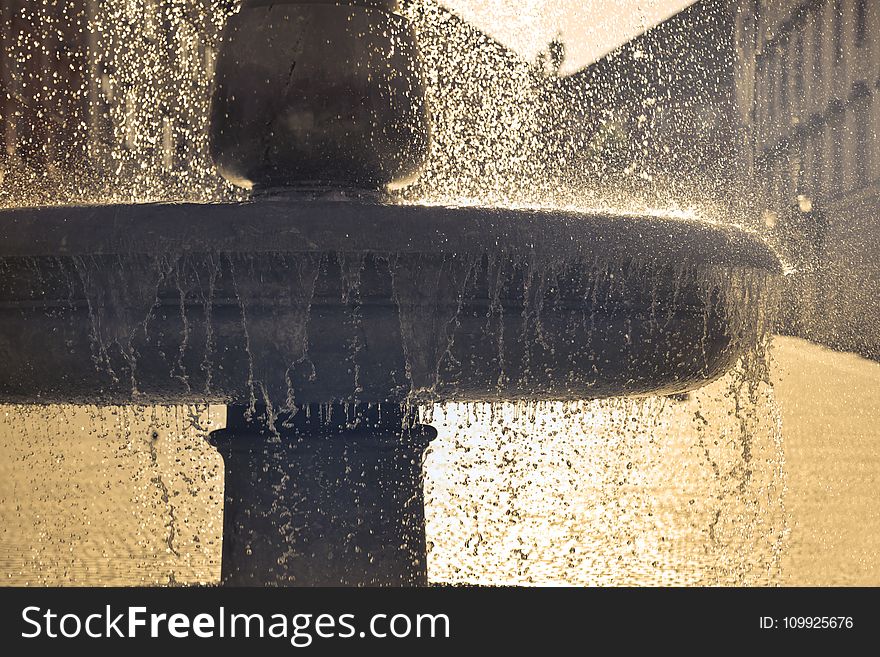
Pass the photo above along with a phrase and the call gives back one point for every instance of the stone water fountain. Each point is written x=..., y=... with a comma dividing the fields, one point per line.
x=323, y=314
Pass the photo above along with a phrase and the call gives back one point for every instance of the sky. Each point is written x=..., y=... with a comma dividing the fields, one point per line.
x=589, y=28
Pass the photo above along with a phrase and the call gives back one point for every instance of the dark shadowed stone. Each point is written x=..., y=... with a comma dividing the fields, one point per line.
x=284, y=300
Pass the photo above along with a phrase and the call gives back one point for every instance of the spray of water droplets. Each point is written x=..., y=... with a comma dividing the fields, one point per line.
x=612, y=492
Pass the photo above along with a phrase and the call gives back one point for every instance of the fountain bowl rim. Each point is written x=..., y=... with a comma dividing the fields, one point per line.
x=296, y=225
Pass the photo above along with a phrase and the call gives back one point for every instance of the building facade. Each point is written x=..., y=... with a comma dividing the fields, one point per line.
x=44, y=82
x=660, y=107
x=808, y=103
x=95, y=93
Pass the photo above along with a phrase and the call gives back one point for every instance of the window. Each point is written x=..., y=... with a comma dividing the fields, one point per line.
x=799, y=63
x=862, y=163
x=770, y=90
x=837, y=137
x=800, y=162
x=778, y=180
x=748, y=27
x=823, y=170
x=759, y=94
x=874, y=134
x=838, y=30
x=786, y=179
x=783, y=82
x=818, y=173
x=861, y=21
x=763, y=178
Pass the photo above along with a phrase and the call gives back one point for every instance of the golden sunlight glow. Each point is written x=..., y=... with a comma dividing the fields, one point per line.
x=589, y=28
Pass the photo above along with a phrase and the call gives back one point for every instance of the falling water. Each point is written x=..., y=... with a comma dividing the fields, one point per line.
x=683, y=489
x=109, y=495
x=659, y=491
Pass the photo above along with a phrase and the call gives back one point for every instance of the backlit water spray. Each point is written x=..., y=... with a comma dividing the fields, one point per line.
x=673, y=490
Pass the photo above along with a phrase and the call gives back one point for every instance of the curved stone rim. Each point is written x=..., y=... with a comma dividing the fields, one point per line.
x=296, y=225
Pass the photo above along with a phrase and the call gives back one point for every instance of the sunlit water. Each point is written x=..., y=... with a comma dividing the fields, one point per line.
x=555, y=495
x=502, y=133
x=660, y=491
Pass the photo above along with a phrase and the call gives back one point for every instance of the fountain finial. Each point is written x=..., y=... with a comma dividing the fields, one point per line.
x=325, y=95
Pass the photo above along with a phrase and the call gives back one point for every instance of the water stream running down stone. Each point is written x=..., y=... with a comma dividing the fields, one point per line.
x=595, y=307
x=597, y=371
x=659, y=491
x=110, y=495
x=653, y=492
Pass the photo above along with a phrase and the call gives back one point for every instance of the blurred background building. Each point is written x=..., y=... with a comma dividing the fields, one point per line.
x=87, y=81
x=46, y=81
x=659, y=111
x=807, y=81
x=774, y=104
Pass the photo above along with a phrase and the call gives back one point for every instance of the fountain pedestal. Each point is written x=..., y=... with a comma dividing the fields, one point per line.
x=333, y=499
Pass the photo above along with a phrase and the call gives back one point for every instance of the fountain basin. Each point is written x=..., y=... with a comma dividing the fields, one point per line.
x=288, y=300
